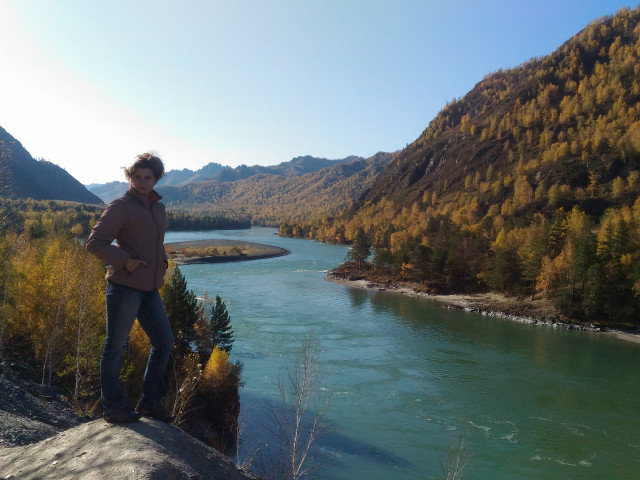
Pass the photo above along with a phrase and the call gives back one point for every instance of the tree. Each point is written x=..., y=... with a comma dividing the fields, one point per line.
x=360, y=250
x=58, y=273
x=87, y=306
x=182, y=309
x=504, y=271
x=9, y=249
x=615, y=255
x=617, y=187
x=214, y=331
x=299, y=419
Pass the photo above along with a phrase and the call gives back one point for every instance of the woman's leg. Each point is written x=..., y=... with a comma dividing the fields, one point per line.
x=154, y=321
x=123, y=304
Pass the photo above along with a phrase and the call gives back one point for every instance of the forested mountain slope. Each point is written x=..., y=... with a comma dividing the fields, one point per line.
x=214, y=171
x=568, y=120
x=293, y=168
x=528, y=184
x=270, y=198
x=21, y=176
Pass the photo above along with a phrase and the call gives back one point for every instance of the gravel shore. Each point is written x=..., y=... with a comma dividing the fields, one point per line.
x=531, y=311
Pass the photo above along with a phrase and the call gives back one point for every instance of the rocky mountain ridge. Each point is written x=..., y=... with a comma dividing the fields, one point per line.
x=179, y=180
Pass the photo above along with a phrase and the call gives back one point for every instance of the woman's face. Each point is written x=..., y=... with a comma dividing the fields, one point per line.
x=143, y=181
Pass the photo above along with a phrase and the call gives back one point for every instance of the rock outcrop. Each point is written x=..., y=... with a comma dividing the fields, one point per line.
x=147, y=449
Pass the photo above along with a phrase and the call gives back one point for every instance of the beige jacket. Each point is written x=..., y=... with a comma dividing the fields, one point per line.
x=138, y=226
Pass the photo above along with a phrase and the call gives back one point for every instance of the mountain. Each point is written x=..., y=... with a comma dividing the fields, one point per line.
x=112, y=190
x=296, y=167
x=271, y=197
x=108, y=191
x=293, y=168
x=184, y=176
x=570, y=119
x=528, y=185
x=21, y=176
x=214, y=171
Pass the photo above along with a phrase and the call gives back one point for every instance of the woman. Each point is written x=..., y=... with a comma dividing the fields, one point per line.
x=137, y=264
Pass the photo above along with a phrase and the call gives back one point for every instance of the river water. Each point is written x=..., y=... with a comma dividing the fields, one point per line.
x=410, y=379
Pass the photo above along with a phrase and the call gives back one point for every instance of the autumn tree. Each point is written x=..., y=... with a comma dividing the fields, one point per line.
x=87, y=313
x=10, y=247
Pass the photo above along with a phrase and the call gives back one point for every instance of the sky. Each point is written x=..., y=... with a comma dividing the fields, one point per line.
x=88, y=84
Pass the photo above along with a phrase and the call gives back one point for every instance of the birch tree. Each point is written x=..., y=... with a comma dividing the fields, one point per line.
x=299, y=419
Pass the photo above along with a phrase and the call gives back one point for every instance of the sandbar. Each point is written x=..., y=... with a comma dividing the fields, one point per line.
x=218, y=251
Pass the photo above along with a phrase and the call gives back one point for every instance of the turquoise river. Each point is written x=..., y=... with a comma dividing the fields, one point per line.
x=409, y=379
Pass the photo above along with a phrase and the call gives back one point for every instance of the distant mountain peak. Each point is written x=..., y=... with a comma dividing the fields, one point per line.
x=297, y=166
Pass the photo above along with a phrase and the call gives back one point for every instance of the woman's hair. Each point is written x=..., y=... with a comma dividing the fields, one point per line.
x=146, y=160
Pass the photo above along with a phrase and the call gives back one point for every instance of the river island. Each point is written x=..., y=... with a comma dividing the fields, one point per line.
x=218, y=251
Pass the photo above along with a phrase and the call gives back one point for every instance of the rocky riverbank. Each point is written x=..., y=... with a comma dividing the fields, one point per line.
x=535, y=311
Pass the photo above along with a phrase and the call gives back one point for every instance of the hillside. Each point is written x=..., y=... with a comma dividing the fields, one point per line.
x=529, y=184
x=297, y=166
x=293, y=168
x=569, y=119
x=272, y=197
x=21, y=176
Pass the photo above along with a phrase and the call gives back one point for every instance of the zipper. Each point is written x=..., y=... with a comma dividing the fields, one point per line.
x=158, y=246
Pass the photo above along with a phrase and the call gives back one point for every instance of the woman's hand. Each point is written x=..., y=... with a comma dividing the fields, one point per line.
x=133, y=263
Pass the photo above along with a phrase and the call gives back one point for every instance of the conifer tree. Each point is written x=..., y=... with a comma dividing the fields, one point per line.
x=360, y=250
x=215, y=331
x=182, y=309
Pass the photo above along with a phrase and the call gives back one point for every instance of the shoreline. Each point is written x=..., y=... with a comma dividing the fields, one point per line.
x=198, y=251
x=536, y=312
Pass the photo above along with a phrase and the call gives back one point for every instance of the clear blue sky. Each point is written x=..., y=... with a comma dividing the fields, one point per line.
x=88, y=84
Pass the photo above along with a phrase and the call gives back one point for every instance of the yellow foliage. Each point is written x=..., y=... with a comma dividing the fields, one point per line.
x=626, y=259
x=217, y=366
x=218, y=372
x=398, y=240
x=547, y=273
x=501, y=240
x=407, y=268
x=617, y=186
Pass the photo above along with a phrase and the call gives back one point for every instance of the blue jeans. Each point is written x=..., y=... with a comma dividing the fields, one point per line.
x=124, y=305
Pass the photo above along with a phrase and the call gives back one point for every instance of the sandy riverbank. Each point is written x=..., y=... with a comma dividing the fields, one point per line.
x=535, y=312
x=217, y=251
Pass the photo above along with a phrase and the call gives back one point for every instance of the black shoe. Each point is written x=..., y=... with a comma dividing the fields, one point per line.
x=122, y=415
x=158, y=413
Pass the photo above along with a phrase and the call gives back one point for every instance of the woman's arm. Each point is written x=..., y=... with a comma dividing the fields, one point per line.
x=102, y=235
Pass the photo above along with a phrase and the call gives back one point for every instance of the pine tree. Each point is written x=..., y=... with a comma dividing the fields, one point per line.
x=360, y=250
x=221, y=326
x=182, y=309
x=215, y=331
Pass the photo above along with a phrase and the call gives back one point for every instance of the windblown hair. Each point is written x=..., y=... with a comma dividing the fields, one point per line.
x=146, y=160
